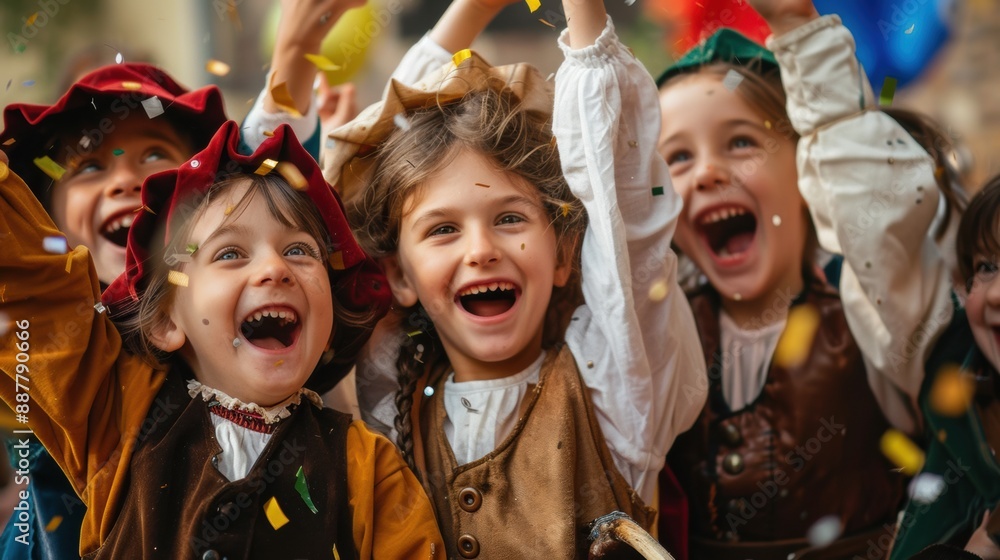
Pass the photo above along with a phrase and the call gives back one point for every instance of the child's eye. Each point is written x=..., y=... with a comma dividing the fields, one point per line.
x=743, y=142
x=87, y=167
x=679, y=156
x=228, y=254
x=442, y=230
x=510, y=219
x=985, y=271
x=302, y=250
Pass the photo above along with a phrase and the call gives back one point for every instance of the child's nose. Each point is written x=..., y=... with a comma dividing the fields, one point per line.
x=482, y=249
x=711, y=174
x=272, y=269
x=124, y=181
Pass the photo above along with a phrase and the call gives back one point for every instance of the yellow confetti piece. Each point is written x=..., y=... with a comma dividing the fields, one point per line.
x=336, y=555
x=796, y=340
x=229, y=210
x=337, y=260
x=658, y=291
x=31, y=19
x=952, y=392
x=283, y=99
x=565, y=210
x=274, y=514
x=767, y=125
x=292, y=174
x=278, y=363
x=177, y=278
x=322, y=62
x=533, y=5
x=902, y=452
x=522, y=246
x=131, y=85
x=546, y=23
x=216, y=67
x=50, y=168
x=69, y=263
x=269, y=133
x=266, y=167
x=53, y=523
x=460, y=56
x=9, y=141
x=4, y=171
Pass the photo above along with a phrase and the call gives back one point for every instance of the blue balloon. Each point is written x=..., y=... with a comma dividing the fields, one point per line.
x=895, y=38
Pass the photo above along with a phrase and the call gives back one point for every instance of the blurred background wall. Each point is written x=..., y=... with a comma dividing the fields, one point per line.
x=48, y=41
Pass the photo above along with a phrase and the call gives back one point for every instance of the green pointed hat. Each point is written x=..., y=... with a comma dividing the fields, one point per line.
x=725, y=45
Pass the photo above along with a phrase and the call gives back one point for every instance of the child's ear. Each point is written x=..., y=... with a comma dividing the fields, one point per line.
x=166, y=335
x=565, y=252
x=402, y=290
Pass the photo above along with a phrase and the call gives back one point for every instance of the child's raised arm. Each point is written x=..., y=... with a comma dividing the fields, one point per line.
x=872, y=194
x=635, y=340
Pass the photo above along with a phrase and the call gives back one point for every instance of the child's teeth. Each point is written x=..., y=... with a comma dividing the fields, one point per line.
x=282, y=314
x=494, y=286
x=257, y=316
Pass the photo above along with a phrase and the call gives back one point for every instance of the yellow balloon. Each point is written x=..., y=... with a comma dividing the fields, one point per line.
x=346, y=45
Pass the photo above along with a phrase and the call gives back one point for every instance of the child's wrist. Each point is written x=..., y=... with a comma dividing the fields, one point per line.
x=783, y=23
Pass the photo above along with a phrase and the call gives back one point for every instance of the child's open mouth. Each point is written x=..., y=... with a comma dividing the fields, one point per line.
x=271, y=328
x=729, y=231
x=115, y=228
x=488, y=300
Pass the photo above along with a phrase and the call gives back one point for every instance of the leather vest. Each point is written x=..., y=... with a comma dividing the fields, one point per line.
x=178, y=505
x=536, y=493
x=806, y=448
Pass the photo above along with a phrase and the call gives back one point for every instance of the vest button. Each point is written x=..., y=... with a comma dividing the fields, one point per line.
x=470, y=499
x=733, y=463
x=731, y=434
x=735, y=506
x=468, y=546
x=230, y=510
x=211, y=555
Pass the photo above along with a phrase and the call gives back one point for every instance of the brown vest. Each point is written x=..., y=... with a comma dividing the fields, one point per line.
x=535, y=494
x=807, y=447
x=178, y=505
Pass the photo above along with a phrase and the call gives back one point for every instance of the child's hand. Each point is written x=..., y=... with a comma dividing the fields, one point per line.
x=981, y=544
x=336, y=105
x=464, y=20
x=785, y=15
x=308, y=21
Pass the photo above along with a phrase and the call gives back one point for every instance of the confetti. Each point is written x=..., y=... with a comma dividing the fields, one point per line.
x=84, y=143
x=428, y=391
x=732, y=80
x=132, y=85
x=4, y=171
x=118, y=151
x=53, y=523
x=461, y=55
x=69, y=263
x=177, y=278
x=10, y=81
x=414, y=333
x=776, y=220
x=546, y=23
x=657, y=191
x=522, y=246
x=322, y=62
x=926, y=488
x=278, y=363
x=629, y=2
x=283, y=99
x=888, y=91
x=99, y=307
x=229, y=210
x=658, y=291
x=303, y=489
x=28, y=83
x=216, y=67
x=191, y=248
x=9, y=142
x=824, y=531
x=236, y=343
x=952, y=392
x=909, y=30
x=268, y=133
x=484, y=185
x=336, y=555
x=119, y=58
x=50, y=168
x=274, y=514
x=796, y=340
x=533, y=5
x=181, y=258
x=565, y=210
x=902, y=452
x=292, y=174
x=266, y=167
x=153, y=107
x=337, y=260
x=31, y=19
x=738, y=296
x=56, y=245
x=767, y=125
x=400, y=121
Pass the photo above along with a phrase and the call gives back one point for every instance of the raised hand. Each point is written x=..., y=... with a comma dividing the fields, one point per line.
x=785, y=15
x=336, y=105
x=464, y=20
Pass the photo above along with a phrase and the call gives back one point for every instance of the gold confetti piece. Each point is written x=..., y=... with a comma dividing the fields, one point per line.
x=767, y=125
x=658, y=291
x=9, y=141
x=69, y=263
x=269, y=133
x=565, y=210
x=229, y=210
x=522, y=246
x=278, y=363
x=546, y=23
x=53, y=523
x=952, y=392
x=31, y=19
x=796, y=340
x=144, y=208
x=902, y=452
x=533, y=5
x=461, y=55
x=274, y=514
x=50, y=168
x=131, y=85
x=292, y=174
x=322, y=62
x=4, y=171
x=266, y=167
x=484, y=185
x=216, y=67
x=337, y=260
x=283, y=99
x=177, y=278
x=336, y=555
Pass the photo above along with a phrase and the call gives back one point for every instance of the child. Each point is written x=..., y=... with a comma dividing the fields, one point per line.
x=784, y=442
x=522, y=434
x=960, y=457
x=203, y=436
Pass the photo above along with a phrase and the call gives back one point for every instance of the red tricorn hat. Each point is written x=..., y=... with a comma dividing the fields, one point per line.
x=356, y=279
x=103, y=98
